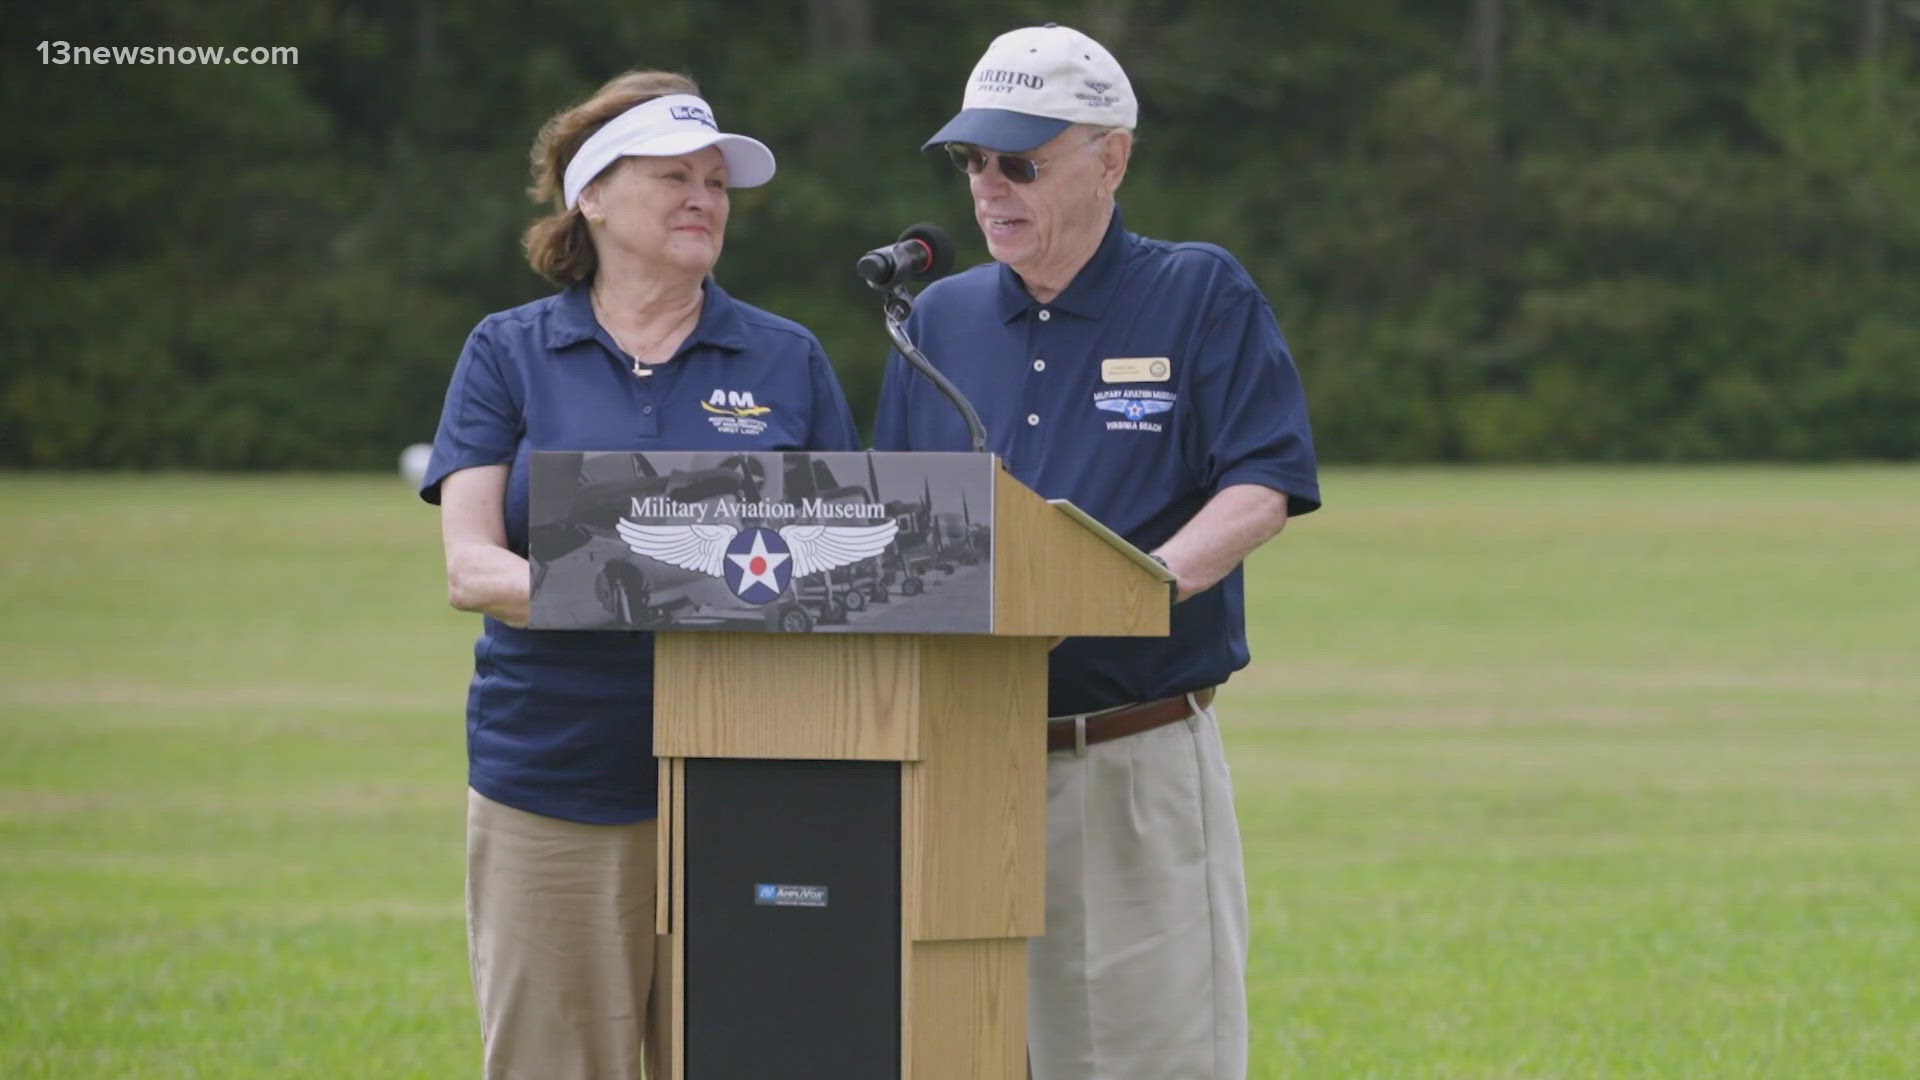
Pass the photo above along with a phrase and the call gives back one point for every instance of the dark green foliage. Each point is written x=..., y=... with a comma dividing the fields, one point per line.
x=1492, y=229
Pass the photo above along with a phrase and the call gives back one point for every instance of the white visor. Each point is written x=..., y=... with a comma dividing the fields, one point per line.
x=667, y=127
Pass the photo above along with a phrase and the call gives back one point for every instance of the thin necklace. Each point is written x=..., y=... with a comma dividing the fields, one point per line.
x=640, y=368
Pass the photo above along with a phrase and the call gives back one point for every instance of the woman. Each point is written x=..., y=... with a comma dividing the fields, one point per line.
x=561, y=775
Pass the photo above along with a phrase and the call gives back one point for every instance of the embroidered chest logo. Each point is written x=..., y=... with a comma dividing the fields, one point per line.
x=735, y=413
x=1134, y=407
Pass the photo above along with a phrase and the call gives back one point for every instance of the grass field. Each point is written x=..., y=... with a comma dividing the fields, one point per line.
x=1542, y=774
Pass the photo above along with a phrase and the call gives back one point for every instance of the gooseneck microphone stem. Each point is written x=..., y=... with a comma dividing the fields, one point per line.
x=898, y=305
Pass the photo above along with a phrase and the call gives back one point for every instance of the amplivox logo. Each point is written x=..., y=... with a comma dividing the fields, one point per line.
x=790, y=895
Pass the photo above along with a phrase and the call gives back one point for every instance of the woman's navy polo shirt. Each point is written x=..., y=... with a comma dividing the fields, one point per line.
x=560, y=722
x=1158, y=377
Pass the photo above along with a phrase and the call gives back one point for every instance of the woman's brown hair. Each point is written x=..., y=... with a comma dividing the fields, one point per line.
x=558, y=245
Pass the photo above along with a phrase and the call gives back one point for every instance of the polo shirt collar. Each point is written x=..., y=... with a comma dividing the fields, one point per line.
x=720, y=325
x=570, y=320
x=1091, y=290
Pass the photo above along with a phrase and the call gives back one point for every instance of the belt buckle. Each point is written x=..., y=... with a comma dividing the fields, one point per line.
x=1080, y=735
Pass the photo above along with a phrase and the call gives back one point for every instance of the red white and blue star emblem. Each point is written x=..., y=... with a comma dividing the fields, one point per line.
x=759, y=566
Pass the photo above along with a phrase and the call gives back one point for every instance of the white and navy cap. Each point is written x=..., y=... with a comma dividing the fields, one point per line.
x=1034, y=82
x=666, y=127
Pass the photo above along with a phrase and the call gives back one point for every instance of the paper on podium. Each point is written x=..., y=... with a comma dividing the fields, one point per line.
x=1118, y=542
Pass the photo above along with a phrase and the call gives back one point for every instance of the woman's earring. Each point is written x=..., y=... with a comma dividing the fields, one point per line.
x=596, y=219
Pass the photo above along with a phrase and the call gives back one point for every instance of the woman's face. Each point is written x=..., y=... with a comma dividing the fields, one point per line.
x=665, y=212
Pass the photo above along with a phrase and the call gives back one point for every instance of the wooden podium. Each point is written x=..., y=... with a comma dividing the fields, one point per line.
x=852, y=824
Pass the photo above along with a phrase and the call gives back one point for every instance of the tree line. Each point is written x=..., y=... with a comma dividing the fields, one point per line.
x=1492, y=230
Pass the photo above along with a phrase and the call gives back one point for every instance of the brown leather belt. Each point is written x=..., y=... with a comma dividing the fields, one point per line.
x=1062, y=734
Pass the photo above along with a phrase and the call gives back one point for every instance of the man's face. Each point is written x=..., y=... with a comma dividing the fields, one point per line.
x=1040, y=227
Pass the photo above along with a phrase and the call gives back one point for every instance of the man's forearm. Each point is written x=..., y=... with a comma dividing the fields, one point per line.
x=1227, y=529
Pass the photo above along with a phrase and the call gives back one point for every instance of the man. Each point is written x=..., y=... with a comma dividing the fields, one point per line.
x=1148, y=383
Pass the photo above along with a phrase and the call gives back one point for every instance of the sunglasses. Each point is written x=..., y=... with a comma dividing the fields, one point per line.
x=1019, y=170
x=973, y=161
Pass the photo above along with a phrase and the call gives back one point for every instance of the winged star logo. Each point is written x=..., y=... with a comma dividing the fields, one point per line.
x=1135, y=408
x=757, y=564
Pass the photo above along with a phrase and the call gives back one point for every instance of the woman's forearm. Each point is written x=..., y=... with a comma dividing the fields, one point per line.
x=482, y=575
x=488, y=580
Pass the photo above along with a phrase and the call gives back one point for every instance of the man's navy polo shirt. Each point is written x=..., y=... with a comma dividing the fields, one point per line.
x=560, y=722
x=1157, y=378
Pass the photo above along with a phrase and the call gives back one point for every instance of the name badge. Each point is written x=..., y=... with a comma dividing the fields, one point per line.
x=1135, y=369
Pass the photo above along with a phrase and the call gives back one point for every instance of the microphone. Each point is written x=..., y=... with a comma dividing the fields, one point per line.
x=923, y=252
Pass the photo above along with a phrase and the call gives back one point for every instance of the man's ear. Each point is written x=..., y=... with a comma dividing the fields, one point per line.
x=1116, y=150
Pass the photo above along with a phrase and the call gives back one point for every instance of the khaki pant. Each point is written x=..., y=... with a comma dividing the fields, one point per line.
x=1141, y=974
x=561, y=940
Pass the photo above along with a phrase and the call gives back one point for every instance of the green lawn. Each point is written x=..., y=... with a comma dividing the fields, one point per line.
x=1556, y=773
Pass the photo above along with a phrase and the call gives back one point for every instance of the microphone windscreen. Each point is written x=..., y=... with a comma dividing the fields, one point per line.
x=938, y=242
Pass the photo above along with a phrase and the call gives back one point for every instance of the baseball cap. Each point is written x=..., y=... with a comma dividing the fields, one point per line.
x=667, y=126
x=1032, y=83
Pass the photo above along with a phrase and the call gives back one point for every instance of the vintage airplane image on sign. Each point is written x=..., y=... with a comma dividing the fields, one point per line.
x=789, y=541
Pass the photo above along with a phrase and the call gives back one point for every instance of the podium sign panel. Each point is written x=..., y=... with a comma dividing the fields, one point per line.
x=784, y=542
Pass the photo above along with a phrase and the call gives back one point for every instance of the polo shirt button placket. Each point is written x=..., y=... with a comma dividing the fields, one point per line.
x=1033, y=418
